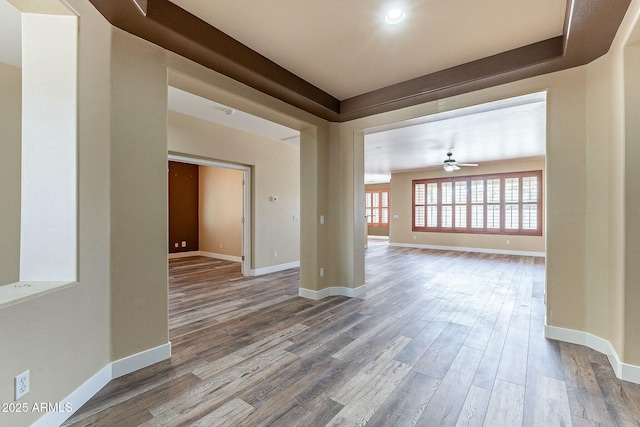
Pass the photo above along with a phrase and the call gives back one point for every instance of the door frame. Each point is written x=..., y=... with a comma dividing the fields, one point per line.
x=246, y=200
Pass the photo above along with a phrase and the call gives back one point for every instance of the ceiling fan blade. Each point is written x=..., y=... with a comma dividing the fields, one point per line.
x=467, y=164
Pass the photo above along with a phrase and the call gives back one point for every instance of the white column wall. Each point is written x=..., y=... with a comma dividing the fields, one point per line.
x=48, y=245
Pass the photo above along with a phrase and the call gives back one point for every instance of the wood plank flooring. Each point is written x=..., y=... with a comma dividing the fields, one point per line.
x=441, y=339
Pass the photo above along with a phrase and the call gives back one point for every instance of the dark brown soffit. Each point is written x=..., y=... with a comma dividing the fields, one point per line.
x=589, y=31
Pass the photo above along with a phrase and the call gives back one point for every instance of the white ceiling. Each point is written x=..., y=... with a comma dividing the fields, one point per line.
x=345, y=48
x=502, y=130
x=192, y=105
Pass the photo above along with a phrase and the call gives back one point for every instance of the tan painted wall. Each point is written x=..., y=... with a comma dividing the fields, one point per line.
x=605, y=218
x=275, y=172
x=632, y=205
x=401, y=186
x=10, y=133
x=138, y=196
x=63, y=338
x=220, y=210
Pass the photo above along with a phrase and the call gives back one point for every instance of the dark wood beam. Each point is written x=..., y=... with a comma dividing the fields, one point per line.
x=466, y=77
x=590, y=27
x=167, y=25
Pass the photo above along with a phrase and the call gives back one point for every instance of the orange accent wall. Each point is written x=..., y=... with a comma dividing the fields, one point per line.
x=183, y=207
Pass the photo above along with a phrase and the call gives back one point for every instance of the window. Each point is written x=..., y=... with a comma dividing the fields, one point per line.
x=495, y=204
x=377, y=207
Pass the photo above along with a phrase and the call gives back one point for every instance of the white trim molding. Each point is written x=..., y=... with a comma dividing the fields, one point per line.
x=176, y=255
x=69, y=405
x=624, y=371
x=274, y=268
x=232, y=258
x=246, y=202
x=140, y=360
x=462, y=249
x=224, y=257
x=333, y=291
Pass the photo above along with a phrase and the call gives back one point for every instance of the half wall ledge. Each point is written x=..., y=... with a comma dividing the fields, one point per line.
x=15, y=293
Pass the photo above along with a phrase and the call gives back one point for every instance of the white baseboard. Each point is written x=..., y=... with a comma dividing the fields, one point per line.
x=140, y=360
x=463, y=249
x=76, y=399
x=93, y=385
x=183, y=254
x=274, y=268
x=333, y=291
x=224, y=257
x=232, y=258
x=624, y=371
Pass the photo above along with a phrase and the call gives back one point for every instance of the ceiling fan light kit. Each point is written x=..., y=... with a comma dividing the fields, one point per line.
x=450, y=164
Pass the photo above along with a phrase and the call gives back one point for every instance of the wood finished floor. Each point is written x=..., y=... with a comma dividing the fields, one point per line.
x=441, y=339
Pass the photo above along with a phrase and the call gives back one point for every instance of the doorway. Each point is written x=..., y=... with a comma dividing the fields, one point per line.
x=217, y=248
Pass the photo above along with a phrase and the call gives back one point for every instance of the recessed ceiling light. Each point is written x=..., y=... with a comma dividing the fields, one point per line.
x=394, y=16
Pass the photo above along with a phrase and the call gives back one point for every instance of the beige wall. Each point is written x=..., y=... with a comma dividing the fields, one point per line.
x=604, y=212
x=10, y=131
x=275, y=172
x=632, y=206
x=401, y=233
x=64, y=337
x=220, y=207
x=378, y=231
x=139, y=198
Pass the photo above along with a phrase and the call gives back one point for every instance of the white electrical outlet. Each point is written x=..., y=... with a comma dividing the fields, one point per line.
x=22, y=384
x=321, y=272
x=275, y=254
x=220, y=245
x=177, y=245
x=184, y=243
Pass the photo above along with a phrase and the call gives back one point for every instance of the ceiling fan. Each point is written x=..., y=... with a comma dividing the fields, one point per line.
x=451, y=165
